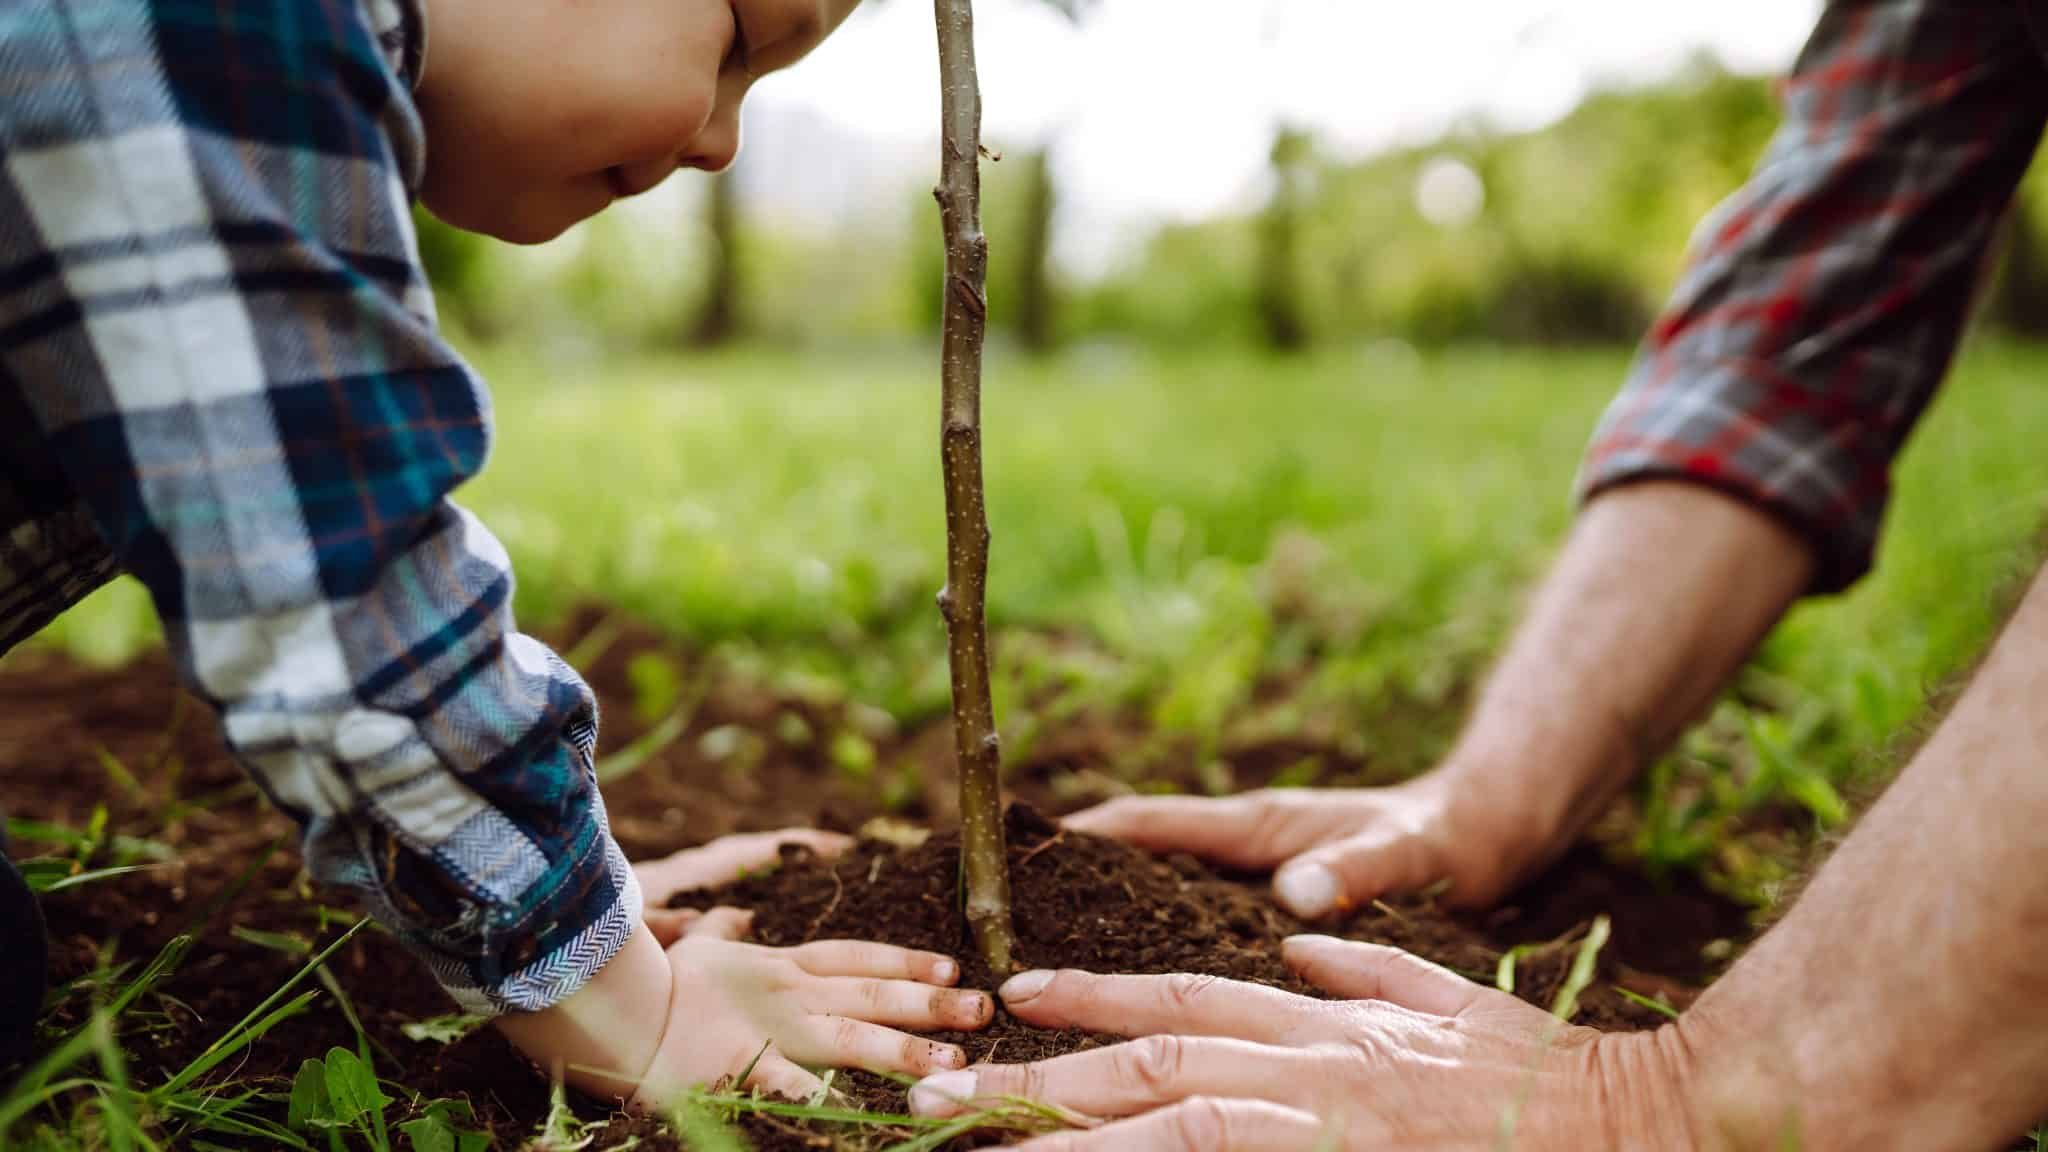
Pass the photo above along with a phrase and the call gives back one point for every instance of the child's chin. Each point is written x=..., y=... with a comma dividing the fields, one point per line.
x=515, y=222
x=538, y=229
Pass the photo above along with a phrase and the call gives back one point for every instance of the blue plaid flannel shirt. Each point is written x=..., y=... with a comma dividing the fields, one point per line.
x=219, y=372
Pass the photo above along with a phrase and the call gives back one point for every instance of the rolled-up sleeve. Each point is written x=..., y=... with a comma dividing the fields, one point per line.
x=230, y=348
x=1824, y=301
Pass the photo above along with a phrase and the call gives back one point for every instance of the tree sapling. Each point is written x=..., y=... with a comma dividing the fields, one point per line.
x=984, y=866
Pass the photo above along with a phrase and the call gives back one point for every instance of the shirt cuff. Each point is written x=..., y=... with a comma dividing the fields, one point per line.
x=567, y=952
x=1772, y=445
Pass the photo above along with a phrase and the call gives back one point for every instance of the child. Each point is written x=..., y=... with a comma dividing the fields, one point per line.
x=219, y=372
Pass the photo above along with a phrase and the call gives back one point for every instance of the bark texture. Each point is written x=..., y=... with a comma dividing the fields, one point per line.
x=984, y=865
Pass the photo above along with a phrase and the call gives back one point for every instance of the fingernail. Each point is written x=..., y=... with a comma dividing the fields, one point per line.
x=1024, y=987
x=1308, y=890
x=943, y=1094
x=947, y=1056
x=973, y=1008
x=1309, y=940
x=945, y=971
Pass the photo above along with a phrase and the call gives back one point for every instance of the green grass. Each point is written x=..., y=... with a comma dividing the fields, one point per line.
x=1360, y=524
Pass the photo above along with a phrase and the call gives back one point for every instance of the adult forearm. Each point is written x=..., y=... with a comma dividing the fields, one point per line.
x=1903, y=1003
x=1661, y=593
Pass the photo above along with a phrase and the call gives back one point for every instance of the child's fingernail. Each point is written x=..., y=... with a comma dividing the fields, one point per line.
x=947, y=1056
x=943, y=1094
x=1024, y=987
x=968, y=1008
x=945, y=971
x=1308, y=890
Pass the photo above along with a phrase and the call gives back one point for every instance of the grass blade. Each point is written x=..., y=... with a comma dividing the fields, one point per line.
x=239, y=1036
x=1581, y=975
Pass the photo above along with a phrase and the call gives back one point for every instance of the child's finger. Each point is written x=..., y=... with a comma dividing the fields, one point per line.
x=669, y=924
x=777, y=1075
x=842, y=1043
x=884, y=961
x=899, y=1003
x=721, y=924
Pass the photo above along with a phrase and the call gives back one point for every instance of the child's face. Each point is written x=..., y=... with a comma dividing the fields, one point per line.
x=540, y=113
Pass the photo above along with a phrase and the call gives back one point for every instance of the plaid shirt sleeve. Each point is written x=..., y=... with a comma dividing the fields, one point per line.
x=1825, y=299
x=212, y=305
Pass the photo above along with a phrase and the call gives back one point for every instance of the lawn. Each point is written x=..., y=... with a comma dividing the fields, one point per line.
x=1359, y=525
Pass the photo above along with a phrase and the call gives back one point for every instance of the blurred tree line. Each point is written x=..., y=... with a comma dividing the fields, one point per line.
x=1568, y=235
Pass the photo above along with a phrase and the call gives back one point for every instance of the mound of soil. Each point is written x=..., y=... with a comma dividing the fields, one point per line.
x=74, y=739
x=1085, y=902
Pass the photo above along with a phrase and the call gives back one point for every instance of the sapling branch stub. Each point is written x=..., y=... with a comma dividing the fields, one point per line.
x=984, y=866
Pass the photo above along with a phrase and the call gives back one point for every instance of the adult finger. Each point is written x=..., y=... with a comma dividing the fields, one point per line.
x=898, y=1003
x=863, y=958
x=1256, y=830
x=777, y=1075
x=721, y=924
x=1377, y=972
x=1335, y=877
x=724, y=860
x=1204, y=1124
x=1145, y=1005
x=1126, y=1079
x=840, y=1042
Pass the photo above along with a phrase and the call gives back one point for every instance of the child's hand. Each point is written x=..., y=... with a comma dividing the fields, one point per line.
x=720, y=862
x=686, y=1003
x=742, y=1008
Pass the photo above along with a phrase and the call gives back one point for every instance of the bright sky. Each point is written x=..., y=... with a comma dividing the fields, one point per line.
x=1164, y=108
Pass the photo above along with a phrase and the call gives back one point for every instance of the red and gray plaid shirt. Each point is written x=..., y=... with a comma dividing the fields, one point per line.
x=1825, y=299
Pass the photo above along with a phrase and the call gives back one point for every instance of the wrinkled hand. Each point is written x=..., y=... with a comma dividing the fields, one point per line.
x=737, y=1006
x=1334, y=849
x=1419, y=1059
x=720, y=862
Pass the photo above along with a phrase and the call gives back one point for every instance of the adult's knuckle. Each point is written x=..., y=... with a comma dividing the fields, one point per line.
x=1200, y=1122
x=1154, y=1064
x=1026, y=1082
x=1185, y=992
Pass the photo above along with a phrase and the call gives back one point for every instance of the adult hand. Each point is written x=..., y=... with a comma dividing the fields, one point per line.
x=1418, y=1058
x=720, y=862
x=1333, y=850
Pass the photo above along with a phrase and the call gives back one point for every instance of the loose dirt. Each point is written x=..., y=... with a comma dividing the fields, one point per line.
x=72, y=739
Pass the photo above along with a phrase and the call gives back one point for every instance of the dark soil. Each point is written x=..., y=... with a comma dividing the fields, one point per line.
x=1089, y=903
x=1082, y=902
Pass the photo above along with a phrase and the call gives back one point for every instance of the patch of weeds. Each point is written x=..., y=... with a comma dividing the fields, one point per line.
x=340, y=1096
x=561, y=1131
x=89, y=847
x=441, y=1029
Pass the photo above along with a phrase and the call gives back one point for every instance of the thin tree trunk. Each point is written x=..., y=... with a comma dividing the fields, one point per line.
x=1280, y=297
x=1037, y=303
x=718, y=318
x=984, y=864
